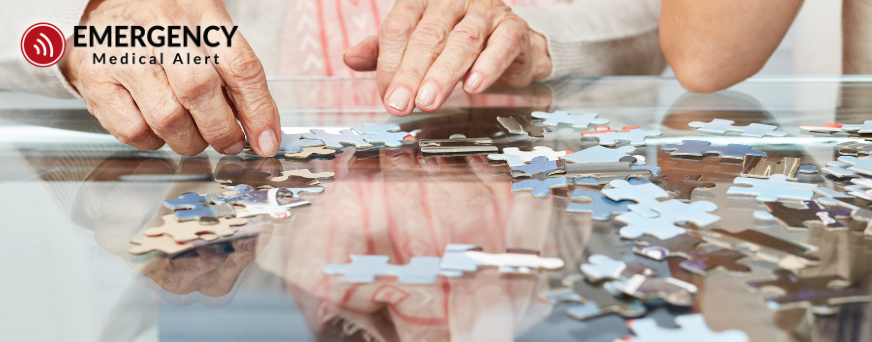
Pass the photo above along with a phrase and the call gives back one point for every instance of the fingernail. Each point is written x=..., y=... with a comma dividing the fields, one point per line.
x=235, y=149
x=427, y=94
x=267, y=142
x=399, y=99
x=472, y=82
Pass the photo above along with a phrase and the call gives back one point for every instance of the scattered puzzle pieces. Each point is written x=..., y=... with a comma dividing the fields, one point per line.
x=685, y=246
x=823, y=293
x=701, y=148
x=680, y=184
x=365, y=268
x=840, y=170
x=295, y=143
x=721, y=126
x=854, y=148
x=470, y=258
x=812, y=214
x=337, y=141
x=770, y=190
x=761, y=167
x=389, y=135
x=828, y=128
x=456, y=145
x=645, y=195
x=599, y=299
x=600, y=207
x=761, y=246
x=309, y=152
x=634, y=136
x=671, y=212
x=691, y=328
x=523, y=125
x=232, y=175
x=576, y=121
x=160, y=243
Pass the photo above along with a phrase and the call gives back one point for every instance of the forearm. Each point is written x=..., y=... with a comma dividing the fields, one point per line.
x=17, y=73
x=599, y=37
x=714, y=44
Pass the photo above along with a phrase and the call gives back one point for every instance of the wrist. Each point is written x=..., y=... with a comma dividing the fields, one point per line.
x=541, y=58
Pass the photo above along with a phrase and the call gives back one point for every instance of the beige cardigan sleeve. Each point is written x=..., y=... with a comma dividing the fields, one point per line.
x=600, y=37
x=15, y=17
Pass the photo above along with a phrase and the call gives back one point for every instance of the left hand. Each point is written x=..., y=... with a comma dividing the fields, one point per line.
x=426, y=47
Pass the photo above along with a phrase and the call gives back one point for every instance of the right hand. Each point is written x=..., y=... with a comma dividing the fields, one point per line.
x=186, y=106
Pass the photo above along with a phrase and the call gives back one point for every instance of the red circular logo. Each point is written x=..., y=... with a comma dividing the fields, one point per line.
x=43, y=45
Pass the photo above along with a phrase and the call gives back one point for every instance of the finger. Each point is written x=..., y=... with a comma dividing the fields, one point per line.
x=114, y=108
x=198, y=88
x=393, y=37
x=426, y=43
x=245, y=80
x=363, y=56
x=161, y=110
x=504, y=46
x=464, y=44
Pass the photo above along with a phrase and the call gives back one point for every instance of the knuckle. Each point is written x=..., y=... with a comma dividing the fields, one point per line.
x=431, y=33
x=221, y=135
x=396, y=29
x=245, y=66
x=135, y=134
x=195, y=84
x=168, y=120
x=469, y=36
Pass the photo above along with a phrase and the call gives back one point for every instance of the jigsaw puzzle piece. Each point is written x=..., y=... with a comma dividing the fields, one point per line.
x=515, y=157
x=854, y=148
x=191, y=206
x=691, y=328
x=193, y=230
x=812, y=214
x=671, y=212
x=292, y=143
x=827, y=128
x=597, y=299
x=470, y=258
x=858, y=165
x=540, y=187
x=686, y=246
x=701, y=148
x=260, y=202
x=337, y=141
x=785, y=253
x=389, y=135
x=770, y=190
x=682, y=185
x=865, y=127
x=365, y=268
x=309, y=152
x=840, y=170
x=522, y=125
x=823, y=294
x=600, y=207
x=576, y=121
x=761, y=167
x=599, y=154
x=673, y=291
x=721, y=126
x=539, y=165
x=634, y=136
x=645, y=195
x=161, y=243
x=601, y=267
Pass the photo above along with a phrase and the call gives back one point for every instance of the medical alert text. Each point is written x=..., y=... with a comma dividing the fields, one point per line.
x=156, y=37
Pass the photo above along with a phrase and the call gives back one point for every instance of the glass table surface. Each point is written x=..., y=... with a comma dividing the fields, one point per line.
x=73, y=197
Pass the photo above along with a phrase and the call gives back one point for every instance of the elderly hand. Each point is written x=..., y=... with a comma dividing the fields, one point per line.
x=187, y=106
x=425, y=47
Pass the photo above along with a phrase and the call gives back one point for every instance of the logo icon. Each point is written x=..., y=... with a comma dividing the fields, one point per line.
x=43, y=45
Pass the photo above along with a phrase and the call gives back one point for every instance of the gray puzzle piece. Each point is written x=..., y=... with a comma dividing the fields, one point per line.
x=515, y=157
x=770, y=190
x=365, y=268
x=540, y=187
x=336, y=141
x=600, y=207
x=258, y=201
x=294, y=143
x=389, y=134
x=599, y=154
x=865, y=127
x=858, y=165
x=635, y=136
x=699, y=148
x=670, y=212
x=191, y=206
x=644, y=194
x=840, y=170
x=539, y=164
x=463, y=257
x=601, y=267
x=691, y=328
x=576, y=121
x=722, y=126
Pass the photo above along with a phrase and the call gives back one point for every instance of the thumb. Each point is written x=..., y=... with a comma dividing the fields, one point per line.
x=363, y=56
